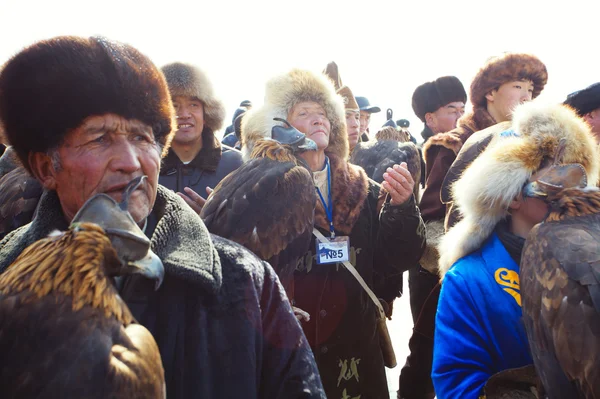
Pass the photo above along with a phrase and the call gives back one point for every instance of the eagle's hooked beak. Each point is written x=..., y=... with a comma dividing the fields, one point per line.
x=292, y=137
x=129, y=241
x=308, y=145
x=556, y=178
x=534, y=190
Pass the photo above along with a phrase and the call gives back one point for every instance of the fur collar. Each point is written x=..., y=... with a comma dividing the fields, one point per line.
x=180, y=239
x=349, y=189
x=478, y=120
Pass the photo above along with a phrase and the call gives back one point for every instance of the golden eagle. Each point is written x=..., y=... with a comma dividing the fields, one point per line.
x=64, y=330
x=560, y=284
x=267, y=204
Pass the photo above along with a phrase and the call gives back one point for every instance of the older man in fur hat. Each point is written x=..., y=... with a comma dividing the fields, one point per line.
x=221, y=318
x=439, y=104
x=196, y=160
x=381, y=226
x=586, y=103
x=478, y=329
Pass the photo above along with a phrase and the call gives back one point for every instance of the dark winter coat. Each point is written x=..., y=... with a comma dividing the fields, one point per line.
x=207, y=169
x=221, y=318
x=385, y=241
x=439, y=152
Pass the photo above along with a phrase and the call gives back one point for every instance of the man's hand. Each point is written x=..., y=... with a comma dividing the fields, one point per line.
x=398, y=183
x=193, y=199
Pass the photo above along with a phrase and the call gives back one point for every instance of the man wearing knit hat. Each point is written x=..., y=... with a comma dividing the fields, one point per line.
x=196, y=161
x=439, y=104
x=586, y=103
x=103, y=118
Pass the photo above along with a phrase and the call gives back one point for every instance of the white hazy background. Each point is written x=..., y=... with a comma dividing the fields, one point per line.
x=384, y=49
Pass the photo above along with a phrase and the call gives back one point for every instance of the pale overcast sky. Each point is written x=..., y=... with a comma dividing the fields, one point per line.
x=384, y=48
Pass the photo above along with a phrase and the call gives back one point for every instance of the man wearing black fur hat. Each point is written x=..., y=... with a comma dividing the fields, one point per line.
x=222, y=322
x=196, y=160
x=586, y=103
x=439, y=104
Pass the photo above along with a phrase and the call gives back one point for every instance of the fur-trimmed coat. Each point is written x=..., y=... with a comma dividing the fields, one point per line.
x=385, y=241
x=221, y=319
x=440, y=152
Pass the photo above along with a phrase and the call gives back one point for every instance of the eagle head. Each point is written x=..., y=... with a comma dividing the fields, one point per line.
x=292, y=137
x=557, y=177
x=129, y=241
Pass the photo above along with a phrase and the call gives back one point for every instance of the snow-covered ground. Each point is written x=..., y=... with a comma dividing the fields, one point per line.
x=400, y=328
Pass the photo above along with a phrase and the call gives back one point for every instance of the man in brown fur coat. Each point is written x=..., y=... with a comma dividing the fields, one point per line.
x=499, y=87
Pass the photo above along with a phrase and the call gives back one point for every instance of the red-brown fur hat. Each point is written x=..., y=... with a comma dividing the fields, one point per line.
x=52, y=86
x=507, y=67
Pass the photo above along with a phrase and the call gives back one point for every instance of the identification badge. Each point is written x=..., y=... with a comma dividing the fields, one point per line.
x=333, y=250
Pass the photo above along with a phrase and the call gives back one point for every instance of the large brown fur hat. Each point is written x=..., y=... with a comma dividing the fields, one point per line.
x=281, y=94
x=52, y=86
x=190, y=81
x=506, y=68
x=487, y=187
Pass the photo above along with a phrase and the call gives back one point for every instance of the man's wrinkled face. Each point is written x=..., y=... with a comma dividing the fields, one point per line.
x=508, y=96
x=445, y=118
x=102, y=155
x=190, y=119
x=365, y=119
x=353, y=126
x=311, y=119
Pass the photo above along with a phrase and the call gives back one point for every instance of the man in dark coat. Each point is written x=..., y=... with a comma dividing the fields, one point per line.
x=439, y=104
x=380, y=224
x=196, y=159
x=221, y=318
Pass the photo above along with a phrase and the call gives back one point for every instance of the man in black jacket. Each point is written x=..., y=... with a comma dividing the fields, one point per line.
x=196, y=160
x=221, y=319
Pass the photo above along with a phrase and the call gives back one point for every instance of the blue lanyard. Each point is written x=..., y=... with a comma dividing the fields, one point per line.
x=328, y=207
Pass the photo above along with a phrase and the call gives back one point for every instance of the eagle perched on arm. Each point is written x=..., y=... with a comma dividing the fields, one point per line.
x=560, y=284
x=267, y=204
x=64, y=330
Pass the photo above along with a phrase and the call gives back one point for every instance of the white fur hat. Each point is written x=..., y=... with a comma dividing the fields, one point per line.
x=487, y=187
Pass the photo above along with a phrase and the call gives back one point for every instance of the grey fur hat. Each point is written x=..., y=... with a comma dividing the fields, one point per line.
x=190, y=81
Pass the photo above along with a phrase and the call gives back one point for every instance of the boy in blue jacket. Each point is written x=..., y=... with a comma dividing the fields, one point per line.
x=479, y=331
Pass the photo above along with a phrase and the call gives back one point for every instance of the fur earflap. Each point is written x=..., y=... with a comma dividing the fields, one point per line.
x=52, y=86
x=506, y=68
x=487, y=187
x=190, y=81
x=285, y=91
